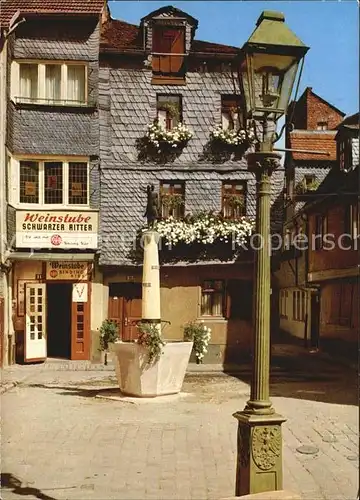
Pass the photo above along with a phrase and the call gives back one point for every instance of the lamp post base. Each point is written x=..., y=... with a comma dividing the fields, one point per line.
x=259, y=452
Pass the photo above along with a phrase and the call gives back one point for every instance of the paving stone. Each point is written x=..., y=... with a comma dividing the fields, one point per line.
x=184, y=449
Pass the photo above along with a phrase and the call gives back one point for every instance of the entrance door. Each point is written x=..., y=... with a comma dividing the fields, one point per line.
x=35, y=322
x=315, y=320
x=59, y=320
x=132, y=312
x=125, y=308
x=80, y=322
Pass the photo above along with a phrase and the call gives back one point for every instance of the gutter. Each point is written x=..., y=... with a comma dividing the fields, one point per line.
x=141, y=52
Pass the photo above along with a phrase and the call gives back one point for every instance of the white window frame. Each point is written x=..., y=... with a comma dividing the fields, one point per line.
x=41, y=94
x=14, y=182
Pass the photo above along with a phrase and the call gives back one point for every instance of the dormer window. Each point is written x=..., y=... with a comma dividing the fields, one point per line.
x=230, y=112
x=168, y=54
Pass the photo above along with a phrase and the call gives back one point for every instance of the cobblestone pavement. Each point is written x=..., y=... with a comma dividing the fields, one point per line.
x=61, y=442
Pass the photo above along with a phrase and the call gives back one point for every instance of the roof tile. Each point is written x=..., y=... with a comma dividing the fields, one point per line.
x=313, y=141
x=123, y=36
x=10, y=7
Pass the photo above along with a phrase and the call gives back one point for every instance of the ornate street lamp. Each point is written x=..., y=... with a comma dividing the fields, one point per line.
x=269, y=65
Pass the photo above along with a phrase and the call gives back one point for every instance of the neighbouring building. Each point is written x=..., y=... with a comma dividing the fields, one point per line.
x=311, y=124
x=334, y=218
x=158, y=70
x=52, y=172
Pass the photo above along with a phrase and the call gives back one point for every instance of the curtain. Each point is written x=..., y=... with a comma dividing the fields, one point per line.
x=76, y=83
x=53, y=81
x=28, y=80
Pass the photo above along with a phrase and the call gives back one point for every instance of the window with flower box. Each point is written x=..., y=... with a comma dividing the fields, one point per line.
x=234, y=199
x=213, y=298
x=231, y=118
x=168, y=54
x=52, y=83
x=172, y=197
x=169, y=110
x=43, y=182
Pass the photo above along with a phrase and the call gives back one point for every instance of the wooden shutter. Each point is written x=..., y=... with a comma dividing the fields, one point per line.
x=168, y=41
x=177, y=47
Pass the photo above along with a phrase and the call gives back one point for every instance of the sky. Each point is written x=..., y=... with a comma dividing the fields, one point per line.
x=329, y=27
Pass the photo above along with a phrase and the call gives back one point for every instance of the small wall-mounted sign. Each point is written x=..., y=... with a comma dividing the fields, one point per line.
x=79, y=292
x=67, y=270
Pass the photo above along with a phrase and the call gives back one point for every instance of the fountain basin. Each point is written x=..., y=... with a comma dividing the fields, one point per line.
x=136, y=377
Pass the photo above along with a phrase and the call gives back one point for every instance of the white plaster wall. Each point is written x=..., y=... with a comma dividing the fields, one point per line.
x=99, y=300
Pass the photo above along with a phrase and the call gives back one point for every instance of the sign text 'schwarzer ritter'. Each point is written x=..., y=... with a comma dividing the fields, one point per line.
x=48, y=222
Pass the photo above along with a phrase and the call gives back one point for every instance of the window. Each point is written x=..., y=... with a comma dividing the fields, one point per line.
x=352, y=220
x=240, y=300
x=320, y=231
x=53, y=182
x=76, y=83
x=309, y=179
x=52, y=83
x=78, y=173
x=53, y=188
x=168, y=110
x=29, y=81
x=233, y=199
x=29, y=182
x=322, y=125
x=172, y=196
x=168, y=50
x=283, y=301
x=299, y=305
x=345, y=154
x=230, y=112
x=212, y=298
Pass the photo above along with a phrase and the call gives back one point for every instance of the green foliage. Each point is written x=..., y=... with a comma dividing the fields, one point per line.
x=304, y=187
x=108, y=334
x=172, y=108
x=150, y=337
x=197, y=332
x=172, y=200
x=234, y=201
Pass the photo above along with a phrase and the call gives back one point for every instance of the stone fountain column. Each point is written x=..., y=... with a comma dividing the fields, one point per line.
x=151, y=278
x=135, y=375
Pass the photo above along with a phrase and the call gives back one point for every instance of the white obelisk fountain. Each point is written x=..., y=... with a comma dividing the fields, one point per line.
x=136, y=376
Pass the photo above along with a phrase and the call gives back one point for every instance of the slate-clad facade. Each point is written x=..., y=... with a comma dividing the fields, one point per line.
x=53, y=176
x=128, y=92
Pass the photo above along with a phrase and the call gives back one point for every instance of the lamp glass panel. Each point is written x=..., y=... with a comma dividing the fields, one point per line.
x=267, y=83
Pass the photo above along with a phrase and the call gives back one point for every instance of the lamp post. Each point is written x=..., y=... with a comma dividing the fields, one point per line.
x=269, y=65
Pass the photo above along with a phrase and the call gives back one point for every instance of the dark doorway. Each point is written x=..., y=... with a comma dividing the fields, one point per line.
x=315, y=320
x=59, y=320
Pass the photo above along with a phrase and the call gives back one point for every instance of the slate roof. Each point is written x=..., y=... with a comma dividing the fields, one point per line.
x=118, y=35
x=322, y=140
x=352, y=121
x=85, y=7
x=337, y=184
